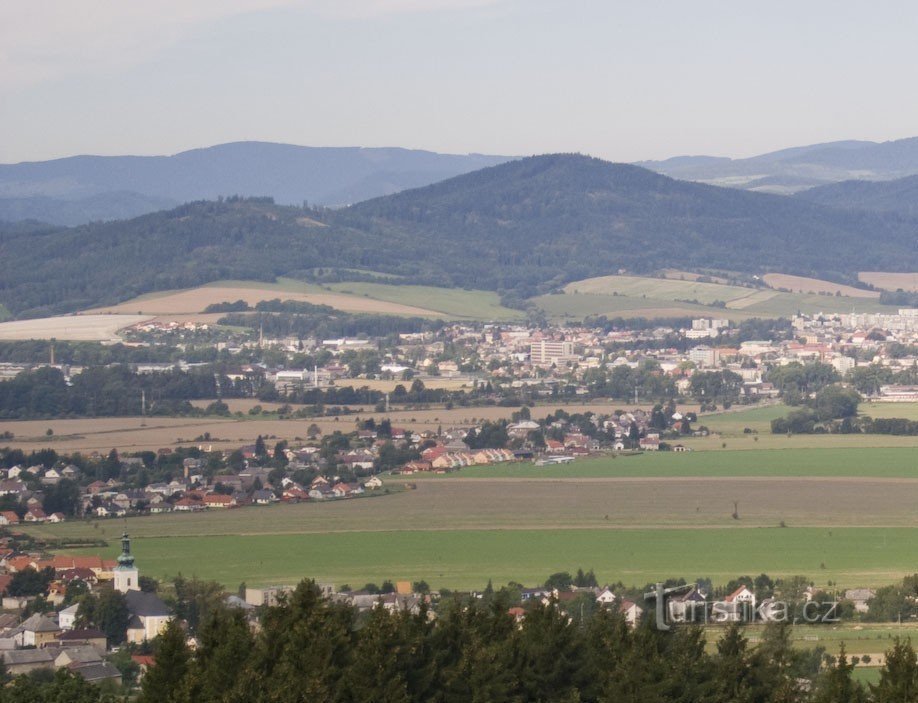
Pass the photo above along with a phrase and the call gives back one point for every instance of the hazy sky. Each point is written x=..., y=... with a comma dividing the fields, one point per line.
x=616, y=79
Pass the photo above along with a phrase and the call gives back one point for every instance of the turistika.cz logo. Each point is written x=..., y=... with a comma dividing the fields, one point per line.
x=689, y=605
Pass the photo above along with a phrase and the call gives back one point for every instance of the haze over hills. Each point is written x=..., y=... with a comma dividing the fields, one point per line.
x=521, y=228
x=80, y=189
x=900, y=195
x=798, y=168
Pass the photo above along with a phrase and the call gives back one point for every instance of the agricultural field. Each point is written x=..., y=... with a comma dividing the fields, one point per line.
x=77, y=328
x=196, y=300
x=801, y=284
x=890, y=281
x=355, y=297
x=845, y=516
x=469, y=558
x=452, y=302
x=894, y=462
x=634, y=296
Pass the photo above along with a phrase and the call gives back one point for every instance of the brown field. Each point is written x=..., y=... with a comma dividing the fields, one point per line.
x=890, y=281
x=127, y=435
x=195, y=300
x=801, y=284
x=82, y=328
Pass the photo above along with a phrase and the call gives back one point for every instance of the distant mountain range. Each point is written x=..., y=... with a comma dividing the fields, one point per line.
x=81, y=189
x=792, y=170
x=521, y=228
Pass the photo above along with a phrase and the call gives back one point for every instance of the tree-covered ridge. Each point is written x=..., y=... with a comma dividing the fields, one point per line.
x=522, y=228
x=900, y=195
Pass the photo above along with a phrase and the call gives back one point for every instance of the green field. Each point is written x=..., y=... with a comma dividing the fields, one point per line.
x=629, y=296
x=898, y=462
x=455, y=302
x=468, y=558
x=660, y=288
x=4, y=313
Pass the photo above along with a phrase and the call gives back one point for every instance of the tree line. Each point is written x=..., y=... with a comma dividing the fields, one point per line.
x=308, y=648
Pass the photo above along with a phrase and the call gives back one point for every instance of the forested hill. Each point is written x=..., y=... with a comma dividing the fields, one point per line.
x=900, y=195
x=521, y=227
x=563, y=217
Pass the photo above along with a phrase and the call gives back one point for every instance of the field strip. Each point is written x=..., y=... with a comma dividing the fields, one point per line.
x=691, y=479
x=751, y=299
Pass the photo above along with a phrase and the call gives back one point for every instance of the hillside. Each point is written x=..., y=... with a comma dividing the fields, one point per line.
x=84, y=188
x=900, y=195
x=797, y=168
x=522, y=228
x=547, y=220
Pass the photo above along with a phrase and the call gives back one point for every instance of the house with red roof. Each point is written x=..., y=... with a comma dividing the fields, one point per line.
x=219, y=500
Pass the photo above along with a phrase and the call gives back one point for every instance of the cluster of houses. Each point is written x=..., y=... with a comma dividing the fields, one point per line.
x=58, y=639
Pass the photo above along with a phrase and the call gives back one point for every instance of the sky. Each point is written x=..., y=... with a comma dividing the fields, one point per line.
x=624, y=81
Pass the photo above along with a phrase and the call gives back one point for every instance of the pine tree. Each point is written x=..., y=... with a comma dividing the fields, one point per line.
x=836, y=684
x=899, y=676
x=224, y=645
x=164, y=681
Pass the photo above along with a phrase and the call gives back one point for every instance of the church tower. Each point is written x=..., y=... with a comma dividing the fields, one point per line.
x=127, y=577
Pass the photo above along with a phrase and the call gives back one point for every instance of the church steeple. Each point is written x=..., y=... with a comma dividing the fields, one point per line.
x=127, y=577
x=126, y=559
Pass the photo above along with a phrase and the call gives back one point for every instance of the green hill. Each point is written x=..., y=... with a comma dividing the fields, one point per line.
x=521, y=228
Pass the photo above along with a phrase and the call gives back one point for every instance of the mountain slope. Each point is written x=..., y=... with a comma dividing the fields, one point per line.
x=290, y=174
x=790, y=170
x=900, y=195
x=523, y=227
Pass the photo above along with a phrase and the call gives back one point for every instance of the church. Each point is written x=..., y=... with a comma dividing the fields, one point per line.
x=148, y=614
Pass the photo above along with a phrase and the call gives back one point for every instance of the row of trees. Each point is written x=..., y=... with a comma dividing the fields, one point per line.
x=310, y=649
x=112, y=390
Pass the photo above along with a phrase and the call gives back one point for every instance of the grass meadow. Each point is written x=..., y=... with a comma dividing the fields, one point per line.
x=469, y=558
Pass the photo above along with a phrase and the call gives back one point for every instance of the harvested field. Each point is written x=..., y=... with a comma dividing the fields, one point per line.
x=195, y=300
x=77, y=328
x=801, y=284
x=890, y=281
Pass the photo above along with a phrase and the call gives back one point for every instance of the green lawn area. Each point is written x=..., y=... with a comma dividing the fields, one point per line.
x=455, y=302
x=895, y=462
x=468, y=558
x=4, y=313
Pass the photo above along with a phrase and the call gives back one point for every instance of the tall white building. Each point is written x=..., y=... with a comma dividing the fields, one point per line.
x=548, y=352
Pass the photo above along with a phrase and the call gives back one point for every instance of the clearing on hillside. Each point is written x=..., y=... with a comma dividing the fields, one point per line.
x=801, y=284
x=890, y=281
